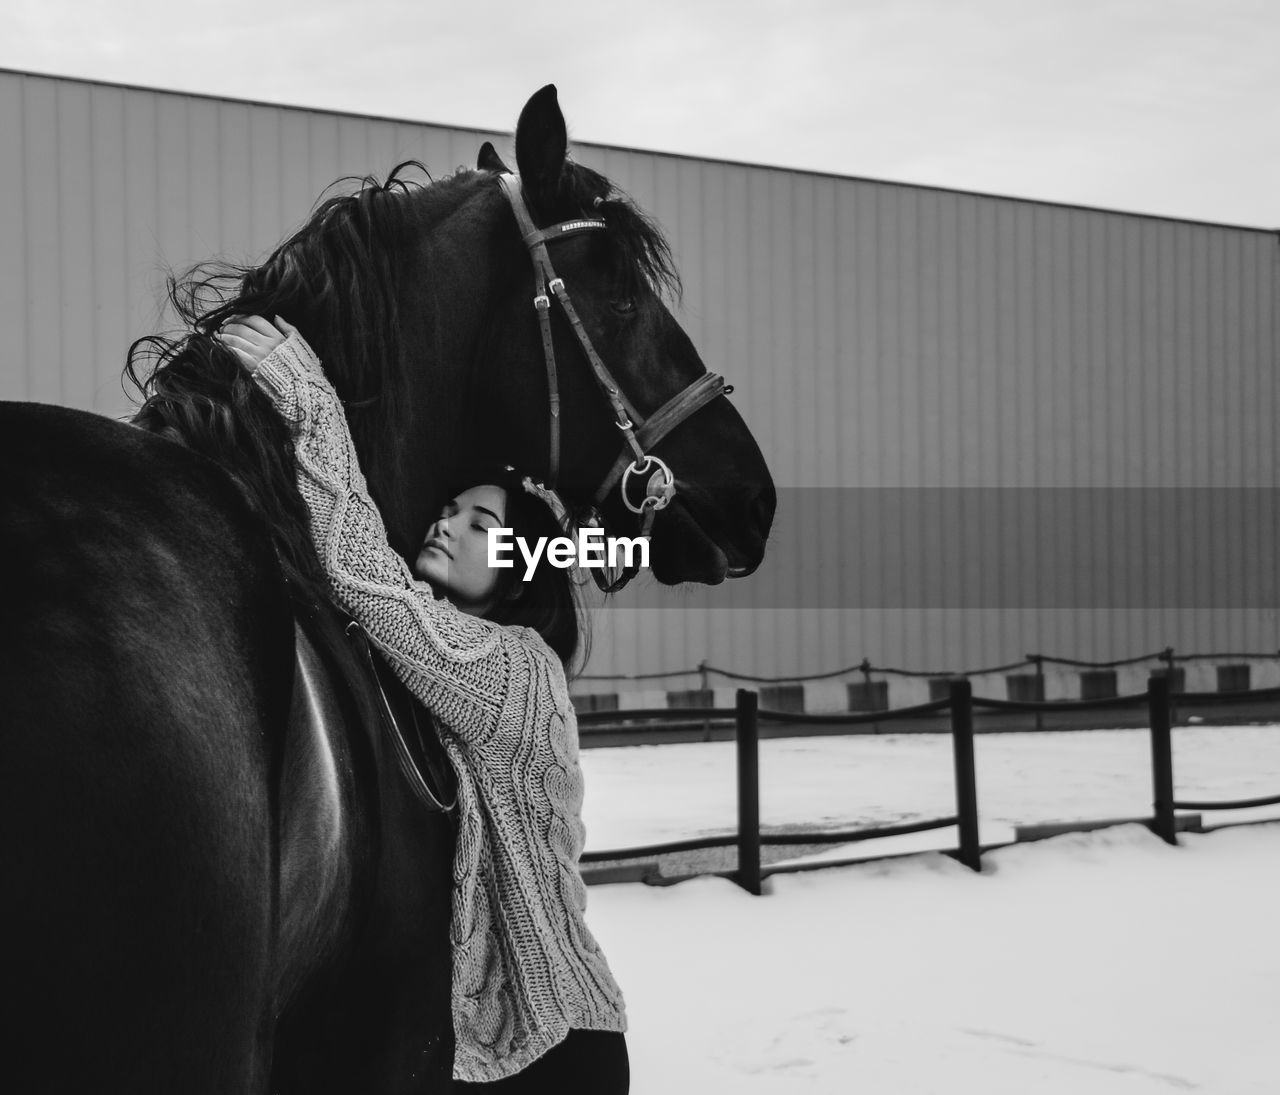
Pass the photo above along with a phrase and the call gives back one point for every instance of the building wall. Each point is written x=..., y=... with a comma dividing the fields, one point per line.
x=881, y=336
x=889, y=336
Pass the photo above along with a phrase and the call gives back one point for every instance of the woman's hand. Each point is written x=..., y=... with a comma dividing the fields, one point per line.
x=251, y=338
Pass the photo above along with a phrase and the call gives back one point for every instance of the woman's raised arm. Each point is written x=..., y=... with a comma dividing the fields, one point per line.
x=471, y=674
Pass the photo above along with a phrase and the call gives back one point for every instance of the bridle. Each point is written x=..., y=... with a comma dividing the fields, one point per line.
x=635, y=467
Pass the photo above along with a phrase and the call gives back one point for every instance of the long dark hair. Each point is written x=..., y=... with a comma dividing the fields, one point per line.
x=551, y=601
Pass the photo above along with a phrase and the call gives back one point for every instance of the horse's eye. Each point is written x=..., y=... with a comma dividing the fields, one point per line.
x=624, y=306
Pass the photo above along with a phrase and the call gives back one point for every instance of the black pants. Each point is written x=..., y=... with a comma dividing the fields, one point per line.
x=587, y=1062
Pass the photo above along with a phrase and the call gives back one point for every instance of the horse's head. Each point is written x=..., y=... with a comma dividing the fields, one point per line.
x=615, y=277
x=419, y=301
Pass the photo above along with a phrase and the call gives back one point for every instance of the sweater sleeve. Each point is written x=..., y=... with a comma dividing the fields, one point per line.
x=464, y=668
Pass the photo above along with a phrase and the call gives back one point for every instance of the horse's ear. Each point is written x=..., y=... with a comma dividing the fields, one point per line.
x=541, y=143
x=489, y=160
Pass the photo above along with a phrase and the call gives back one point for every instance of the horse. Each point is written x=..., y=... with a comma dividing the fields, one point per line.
x=219, y=878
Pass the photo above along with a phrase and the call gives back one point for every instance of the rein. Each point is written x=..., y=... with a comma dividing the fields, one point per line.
x=635, y=467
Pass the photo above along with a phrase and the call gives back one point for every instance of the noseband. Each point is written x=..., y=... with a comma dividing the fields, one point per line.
x=635, y=469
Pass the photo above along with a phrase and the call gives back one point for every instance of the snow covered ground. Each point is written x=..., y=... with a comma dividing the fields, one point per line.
x=649, y=794
x=1094, y=963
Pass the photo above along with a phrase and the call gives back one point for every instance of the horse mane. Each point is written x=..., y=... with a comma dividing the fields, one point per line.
x=335, y=278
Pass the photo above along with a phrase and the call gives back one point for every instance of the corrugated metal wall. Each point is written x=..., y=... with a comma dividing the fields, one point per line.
x=103, y=189
x=895, y=336
x=880, y=335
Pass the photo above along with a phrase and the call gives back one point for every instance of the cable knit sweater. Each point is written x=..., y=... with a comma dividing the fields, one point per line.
x=525, y=968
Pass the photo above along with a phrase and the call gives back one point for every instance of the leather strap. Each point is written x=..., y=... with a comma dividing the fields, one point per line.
x=666, y=418
x=633, y=464
x=404, y=758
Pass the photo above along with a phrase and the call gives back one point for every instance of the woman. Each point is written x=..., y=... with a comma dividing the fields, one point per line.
x=535, y=1006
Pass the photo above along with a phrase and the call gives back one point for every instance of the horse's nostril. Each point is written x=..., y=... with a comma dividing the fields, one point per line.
x=762, y=507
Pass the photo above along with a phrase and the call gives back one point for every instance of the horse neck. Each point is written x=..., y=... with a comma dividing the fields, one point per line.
x=442, y=326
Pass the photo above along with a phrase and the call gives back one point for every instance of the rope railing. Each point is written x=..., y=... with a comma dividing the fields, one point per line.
x=671, y=847
x=1133, y=699
x=1231, y=804
x=654, y=714
x=853, y=718
x=805, y=837
x=852, y=836
x=865, y=667
x=1219, y=657
x=1011, y=667
x=960, y=704
x=1254, y=695
x=1118, y=663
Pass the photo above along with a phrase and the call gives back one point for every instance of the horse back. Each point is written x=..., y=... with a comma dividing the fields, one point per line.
x=145, y=659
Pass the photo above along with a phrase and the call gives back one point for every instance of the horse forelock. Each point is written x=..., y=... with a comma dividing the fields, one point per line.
x=642, y=254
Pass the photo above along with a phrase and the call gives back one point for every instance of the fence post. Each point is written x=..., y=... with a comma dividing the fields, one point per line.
x=1170, y=667
x=966, y=779
x=706, y=687
x=1038, y=661
x=866, y=684
x=1158, y=705
x=748, y=738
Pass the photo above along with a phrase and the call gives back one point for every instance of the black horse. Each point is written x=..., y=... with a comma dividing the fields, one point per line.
x=216, y=878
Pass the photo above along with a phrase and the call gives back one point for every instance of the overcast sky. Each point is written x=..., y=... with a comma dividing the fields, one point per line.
x=1158, y=106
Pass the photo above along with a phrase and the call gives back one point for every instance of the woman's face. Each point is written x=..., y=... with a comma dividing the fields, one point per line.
x=454, y=558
